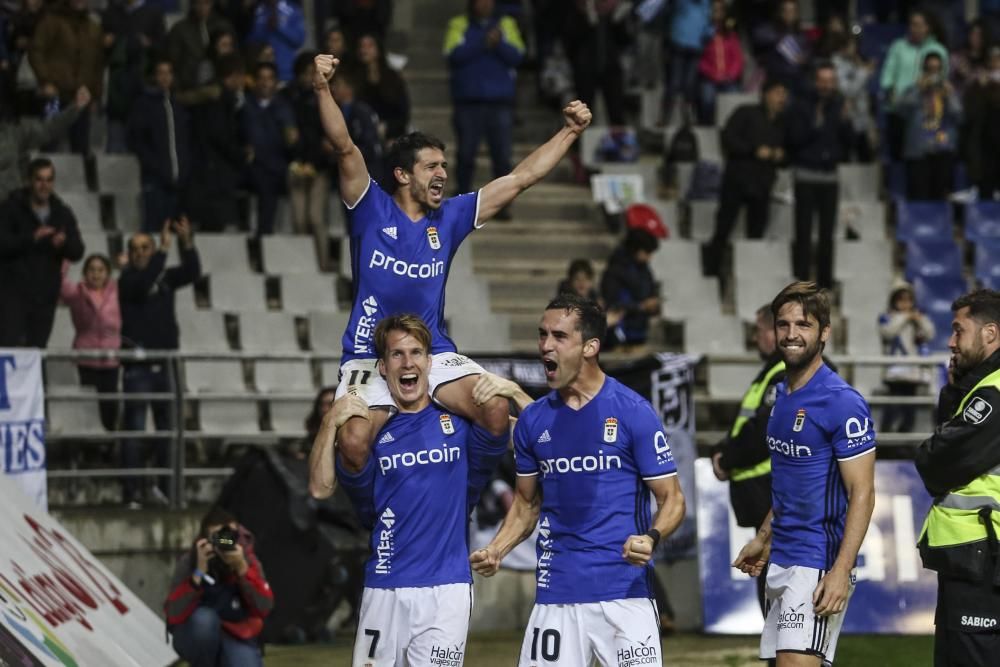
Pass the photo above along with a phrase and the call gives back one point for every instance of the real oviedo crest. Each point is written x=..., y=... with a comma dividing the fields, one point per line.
x=433, y=239
x=610, y=429
x=446, y=425
x=800, y=420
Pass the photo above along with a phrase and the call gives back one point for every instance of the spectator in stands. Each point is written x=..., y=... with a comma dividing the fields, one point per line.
x=834, y=37
x=783, y=47
x=753, y=142
x=981, y=140
x=219, y=597
x=900, y=71
x=579, y=280
x=37, y=232
x=335, y=42
x=932, y=112
x=362, y=124
x=628, y=285
x=970, y=63
x=720, y=68
x=159, y=133
x=189, y=46
x=853, y=75
x=133, y=32
x=218, y=151
x=20, y=29
x=93, y=305
x=280, y=24
x=381, y=87
x=19, y=137
x=905, y=332
x=364, y=17
x=593, y=35
x=312, y=159
x=819, y=138
x=483, y=49
x=146, y=290
x=690, y=29
x=268, y=124
x=67, y=52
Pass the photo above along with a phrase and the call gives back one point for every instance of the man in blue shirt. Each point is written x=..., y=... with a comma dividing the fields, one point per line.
x=402, y=245
x=822, y=442
x=588, y=454
x=425, y=473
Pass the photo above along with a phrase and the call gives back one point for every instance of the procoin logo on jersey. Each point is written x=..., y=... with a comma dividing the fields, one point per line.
x=433, y=238
x=446, y=425
x=610, y=430
x=800, y=420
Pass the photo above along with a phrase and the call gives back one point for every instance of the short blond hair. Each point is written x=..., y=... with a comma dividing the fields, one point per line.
x=408, y=324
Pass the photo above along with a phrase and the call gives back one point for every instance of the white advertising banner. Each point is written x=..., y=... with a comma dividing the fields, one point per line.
x=22, y=422
x=59, y=606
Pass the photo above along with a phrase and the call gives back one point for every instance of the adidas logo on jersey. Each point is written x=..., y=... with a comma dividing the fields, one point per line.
x=387, y=438
x=544, y=437
x=390, y=232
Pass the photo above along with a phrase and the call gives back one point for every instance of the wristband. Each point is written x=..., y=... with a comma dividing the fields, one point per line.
x=204, y=577
x=654, y=535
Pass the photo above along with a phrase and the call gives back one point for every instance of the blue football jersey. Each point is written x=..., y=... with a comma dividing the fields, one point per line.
x=401, y=266
x=591, y=464
x=809, y=431
x=429, y=468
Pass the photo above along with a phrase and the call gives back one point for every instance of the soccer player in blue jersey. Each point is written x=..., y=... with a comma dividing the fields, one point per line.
x=588, y=454
x=424, y=474
x=822, y=443
x=403, y=240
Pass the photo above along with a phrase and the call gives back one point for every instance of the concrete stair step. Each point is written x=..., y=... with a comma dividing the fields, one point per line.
x=429, y=87
x=543, y=228
x=566, y=249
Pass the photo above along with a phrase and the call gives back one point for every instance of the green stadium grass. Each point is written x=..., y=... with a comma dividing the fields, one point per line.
x=501, y=649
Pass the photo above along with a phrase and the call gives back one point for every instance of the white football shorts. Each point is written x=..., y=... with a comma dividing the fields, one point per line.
x=790, y=624
x=361, y=377
x=616, y=633
x=413, y=627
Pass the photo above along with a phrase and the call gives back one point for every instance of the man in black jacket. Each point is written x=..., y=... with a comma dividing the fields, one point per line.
x=752, y=141
x=146, y=296
x=960, y=466
x=37, y=232
x=628, y=285
x=819, y=136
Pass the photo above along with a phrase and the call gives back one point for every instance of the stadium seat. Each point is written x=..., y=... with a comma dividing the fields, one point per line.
x=237, y=292
x=702, y=219
x=128, y=211
x=730, y=379
x=274, y=332
x=63, y=331
x=284, y=253
x=223, y=253
x=859, y=182
x=712, y=333
x=78, y=416
x=203, y=331
x=863, y=337
x=326, y=330
x=933, y=258
x=118, y=173
x=61, y=373
x=727, y=103
x=649, y=171
x=208, y=376
x=934, y=297
x=228, y=418
x=923, y=220
x=987, y=268
x=862, y=259
x=866, y=218
x=862, y=294
x=754, y=258
x=754, y=291
x=288, y=416
x=302, y=292
x=71, y=173
x=481, y=334
x=982, y=221
x=86, y=207
x=676, y=258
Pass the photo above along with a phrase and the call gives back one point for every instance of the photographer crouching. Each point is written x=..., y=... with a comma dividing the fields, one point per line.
x=219, y=597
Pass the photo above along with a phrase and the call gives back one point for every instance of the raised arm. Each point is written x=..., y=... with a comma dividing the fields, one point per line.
x=638, y=549
x=517, y=526
x=498, y=193
x=351, y=166
x=322, y=474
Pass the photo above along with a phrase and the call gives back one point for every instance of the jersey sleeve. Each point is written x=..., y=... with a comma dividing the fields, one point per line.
x=852, y=426
x=370, y=209
x=524, y=450
x=461, y=215
x=650, y=448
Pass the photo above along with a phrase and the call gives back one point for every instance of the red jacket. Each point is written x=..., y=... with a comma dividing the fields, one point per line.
x=722, y=59
x=96, y=318
x=252, y=588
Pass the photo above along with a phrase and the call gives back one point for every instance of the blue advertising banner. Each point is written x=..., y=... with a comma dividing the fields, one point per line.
x=894, y=594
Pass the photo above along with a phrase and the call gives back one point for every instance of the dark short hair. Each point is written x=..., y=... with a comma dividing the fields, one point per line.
x=814, y=301
x=409, y=324
x=932, y=56
x=403, y=154
x=823, y=64
x=216, y=516
x=771, y=84
x=230, y=64
x=302, y=61
x=261, y=66
x=591, y=320
x=580, y=266
x=98, y=257
x=38, y=164
x=640, y=239
x=315, y=417
x=983, y=305
x=764, y=312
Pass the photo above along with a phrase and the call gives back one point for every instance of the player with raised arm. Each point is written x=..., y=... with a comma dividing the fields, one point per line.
x=418, y=586
x=822, y=441
x=402, y=245
x=588, y=454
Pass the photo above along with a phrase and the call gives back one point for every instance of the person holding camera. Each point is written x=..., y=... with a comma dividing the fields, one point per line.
x=219, y=596
x=146, y=297
x=932, y=113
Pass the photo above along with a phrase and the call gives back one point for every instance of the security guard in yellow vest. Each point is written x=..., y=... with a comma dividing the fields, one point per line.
x=960, y=466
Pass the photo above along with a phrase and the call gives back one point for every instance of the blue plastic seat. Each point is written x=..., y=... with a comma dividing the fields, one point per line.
x=923, y=221
x=934, y=297
x=987, y=266
x=931, y=259
x=982, y=221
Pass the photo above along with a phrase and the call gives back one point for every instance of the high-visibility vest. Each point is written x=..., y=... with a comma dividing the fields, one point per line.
x=958, y=518
x=748, y=408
